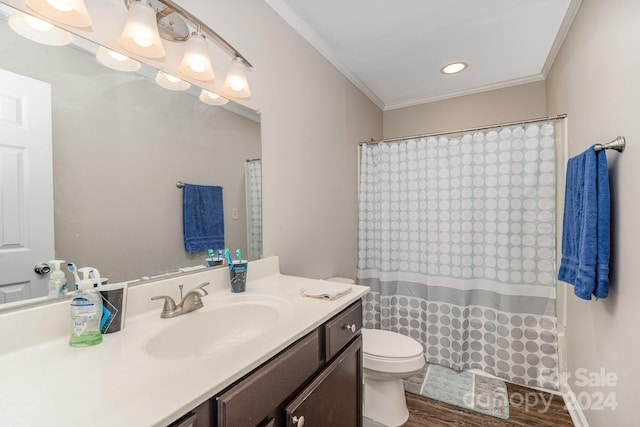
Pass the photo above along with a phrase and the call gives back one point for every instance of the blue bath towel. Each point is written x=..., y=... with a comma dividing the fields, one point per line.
x=202, y=217
x=586, y=225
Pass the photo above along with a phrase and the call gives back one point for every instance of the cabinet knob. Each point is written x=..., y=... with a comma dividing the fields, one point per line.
x=351, y=327
x=298, y=421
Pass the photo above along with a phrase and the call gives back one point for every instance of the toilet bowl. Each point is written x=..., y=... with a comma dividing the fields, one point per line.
x=388, y=358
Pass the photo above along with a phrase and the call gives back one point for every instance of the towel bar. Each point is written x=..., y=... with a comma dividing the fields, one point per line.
x=617, y=144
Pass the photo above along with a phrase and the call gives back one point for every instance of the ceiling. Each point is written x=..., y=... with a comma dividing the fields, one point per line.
x=393, y=50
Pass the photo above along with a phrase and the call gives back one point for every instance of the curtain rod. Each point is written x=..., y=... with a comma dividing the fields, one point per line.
x=519, y=122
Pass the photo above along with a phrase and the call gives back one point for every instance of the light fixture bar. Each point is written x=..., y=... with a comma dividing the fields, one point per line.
x=209, y=32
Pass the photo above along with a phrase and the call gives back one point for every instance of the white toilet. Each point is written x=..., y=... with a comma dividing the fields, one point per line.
x=388, y=358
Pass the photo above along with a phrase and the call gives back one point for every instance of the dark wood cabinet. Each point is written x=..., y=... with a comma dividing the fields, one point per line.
x=334, y=397
x=201, y=416
x=341, y=329
x=316, y=381
x=255, y=399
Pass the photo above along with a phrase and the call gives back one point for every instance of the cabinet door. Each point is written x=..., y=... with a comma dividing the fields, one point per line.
x=334, y=398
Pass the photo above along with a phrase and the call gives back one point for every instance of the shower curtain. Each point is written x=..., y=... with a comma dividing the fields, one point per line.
x=457, y=242
x=253, y=179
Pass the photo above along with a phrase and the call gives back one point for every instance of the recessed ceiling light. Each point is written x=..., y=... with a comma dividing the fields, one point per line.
x=454, y=67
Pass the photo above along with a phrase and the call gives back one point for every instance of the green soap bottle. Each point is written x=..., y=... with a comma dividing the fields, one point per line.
x=86, y=311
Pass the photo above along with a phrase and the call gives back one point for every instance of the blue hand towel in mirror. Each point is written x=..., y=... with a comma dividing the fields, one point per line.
x=586, y=225
x=202, y=217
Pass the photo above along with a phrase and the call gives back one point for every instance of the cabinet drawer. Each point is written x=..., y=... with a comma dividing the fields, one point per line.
x=255, y=398
x=341, y=329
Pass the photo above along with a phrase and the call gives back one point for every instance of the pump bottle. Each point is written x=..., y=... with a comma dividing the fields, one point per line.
x=57, y=280
x=86, y=311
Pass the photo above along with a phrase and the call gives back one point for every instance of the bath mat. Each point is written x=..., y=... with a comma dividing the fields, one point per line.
x=464, y=389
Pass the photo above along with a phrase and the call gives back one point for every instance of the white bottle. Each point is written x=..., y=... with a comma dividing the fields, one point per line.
x=57, y=280
x=86, y=312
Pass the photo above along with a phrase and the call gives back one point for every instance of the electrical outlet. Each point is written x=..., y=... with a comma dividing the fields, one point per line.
x=234, y=213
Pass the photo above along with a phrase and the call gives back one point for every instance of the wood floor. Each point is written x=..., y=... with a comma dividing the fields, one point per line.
x=530, y=408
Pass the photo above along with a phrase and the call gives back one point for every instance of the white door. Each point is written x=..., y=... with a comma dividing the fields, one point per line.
x=26, y=186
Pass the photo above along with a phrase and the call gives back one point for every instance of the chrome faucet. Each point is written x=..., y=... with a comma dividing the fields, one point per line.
x=189, y=302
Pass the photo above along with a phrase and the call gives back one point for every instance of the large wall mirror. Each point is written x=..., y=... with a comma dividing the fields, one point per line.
x=120, y=144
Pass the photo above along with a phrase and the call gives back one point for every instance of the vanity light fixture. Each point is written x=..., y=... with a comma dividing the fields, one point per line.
x=454, y=68
x=236, y=84
x=196, y=62
x=147, y=21
x=172, y=22
x=170, y=82
x=69, y=12
x=116, y=60
x=38, y=30
x=140, y=34
x=212, y=98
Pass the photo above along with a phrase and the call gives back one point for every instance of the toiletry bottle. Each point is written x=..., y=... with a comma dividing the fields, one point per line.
x=57, y=280
x=86, y=312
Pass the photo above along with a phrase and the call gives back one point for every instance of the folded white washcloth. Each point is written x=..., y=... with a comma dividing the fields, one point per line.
x=326, y=291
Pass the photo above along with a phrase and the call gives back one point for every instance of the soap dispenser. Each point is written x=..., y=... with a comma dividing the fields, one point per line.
x=57, y=280
x=86, y=312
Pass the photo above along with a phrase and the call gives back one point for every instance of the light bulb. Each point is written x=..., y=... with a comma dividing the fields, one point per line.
x=236, y=84
x=140, y=34
x=454, y=67
x=170, y=82
x=38, y=24
x=211, y=98
x=116, y=60
x=142, y=41
x=117, y=56
x=68, y=12
x=196, y=62
x=61, y=5
x=198, y=65
x=38, y=30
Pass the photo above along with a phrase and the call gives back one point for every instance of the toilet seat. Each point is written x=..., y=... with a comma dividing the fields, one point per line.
x=389, y=344
x=390, y=352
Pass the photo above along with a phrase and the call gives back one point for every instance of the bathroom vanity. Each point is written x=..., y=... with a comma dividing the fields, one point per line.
x=266, y=357
x=317, y=381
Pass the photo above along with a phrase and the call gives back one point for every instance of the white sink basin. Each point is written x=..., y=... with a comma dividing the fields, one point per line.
x=222, y=324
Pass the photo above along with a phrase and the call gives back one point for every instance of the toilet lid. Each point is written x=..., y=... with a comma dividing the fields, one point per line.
x=389, y=344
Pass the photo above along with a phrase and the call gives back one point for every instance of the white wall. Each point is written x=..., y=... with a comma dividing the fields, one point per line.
x=595, y=80
x=312, y=120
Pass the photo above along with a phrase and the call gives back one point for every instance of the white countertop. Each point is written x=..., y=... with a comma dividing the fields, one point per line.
x=119, y=383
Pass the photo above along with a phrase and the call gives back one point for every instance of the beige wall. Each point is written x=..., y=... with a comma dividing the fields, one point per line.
x=498, y=106
x=595, y=80
x=312, y=119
